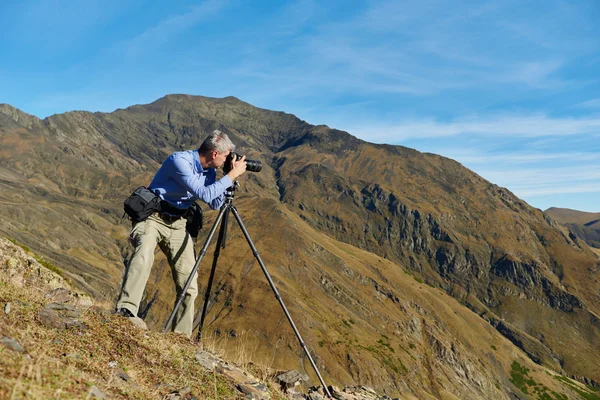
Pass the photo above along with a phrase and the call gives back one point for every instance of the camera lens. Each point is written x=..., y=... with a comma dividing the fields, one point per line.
x=251, y=165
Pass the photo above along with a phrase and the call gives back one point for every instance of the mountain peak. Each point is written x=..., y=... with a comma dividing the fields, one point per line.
x=18, y=116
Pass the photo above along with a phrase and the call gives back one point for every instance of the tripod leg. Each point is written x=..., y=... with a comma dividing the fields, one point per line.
x=278, y=296
x=220, y=242
x=194, y=270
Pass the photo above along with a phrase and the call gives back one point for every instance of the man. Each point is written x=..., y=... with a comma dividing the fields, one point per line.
x=184, y=177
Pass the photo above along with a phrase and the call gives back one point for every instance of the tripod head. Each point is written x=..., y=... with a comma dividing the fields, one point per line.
x=230, y=192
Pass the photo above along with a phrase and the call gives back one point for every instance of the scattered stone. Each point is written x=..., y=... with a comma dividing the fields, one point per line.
x=67, y=310
x=179, y=393
x=59, y=295
x=113, y=364
x=123, y=375
x=12, y=344
x=7, y=308
x=136, y=321
x=289, y=379
x=64, y=295
x=73, y=356
x=50, y=319
x=61, y=319
x=315, y=396
x=207, y=360
x=184, y=390
x=254, y=391
x=245, y=383
x=292, y=394
x=95, y=393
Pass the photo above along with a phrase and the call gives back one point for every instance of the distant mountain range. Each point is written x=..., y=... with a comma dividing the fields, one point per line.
x=405, y=271
x=585, y=225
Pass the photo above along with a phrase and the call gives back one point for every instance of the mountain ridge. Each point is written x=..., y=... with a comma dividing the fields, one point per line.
x=582, y=224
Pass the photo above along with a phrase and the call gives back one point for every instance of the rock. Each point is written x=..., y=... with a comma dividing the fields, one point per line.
x=123, y=375
x=290, y=379
x=95, y=393
x=67, y=310
x=207, y=360
x=74, y=356
x=360, y=392
x=60, y=316
x=59, y=295
x=184, y=390
x=245, y=382
x=254, y=391
x=64, y=295
x=137, y=322
x=50, y=319
x=7, y=308
x=292, y=394
x=315, y=393
x=12, y=344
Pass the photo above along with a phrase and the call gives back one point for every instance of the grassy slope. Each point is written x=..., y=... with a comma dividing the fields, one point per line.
x=68, y=363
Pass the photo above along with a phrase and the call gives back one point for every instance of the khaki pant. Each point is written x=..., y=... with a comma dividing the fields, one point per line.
x=170, y=236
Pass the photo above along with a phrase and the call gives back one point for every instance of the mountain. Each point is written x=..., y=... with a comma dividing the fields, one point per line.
x=584, y=225
x=403, y=270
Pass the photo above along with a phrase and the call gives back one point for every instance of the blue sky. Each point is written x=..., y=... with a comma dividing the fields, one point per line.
x=511, y=89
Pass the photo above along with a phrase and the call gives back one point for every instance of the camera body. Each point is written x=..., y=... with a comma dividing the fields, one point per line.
x=251, y=165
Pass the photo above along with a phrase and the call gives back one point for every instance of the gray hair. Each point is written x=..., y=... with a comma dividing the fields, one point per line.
x=218, y=141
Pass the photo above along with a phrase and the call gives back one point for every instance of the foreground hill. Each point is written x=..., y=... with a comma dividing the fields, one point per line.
x=376, y=249
x=584, y=225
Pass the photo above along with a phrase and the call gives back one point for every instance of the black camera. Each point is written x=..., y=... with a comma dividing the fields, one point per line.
x=251, y=165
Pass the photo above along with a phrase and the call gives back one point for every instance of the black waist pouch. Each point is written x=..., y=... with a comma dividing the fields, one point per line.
x=141, y=204
x=194, y=220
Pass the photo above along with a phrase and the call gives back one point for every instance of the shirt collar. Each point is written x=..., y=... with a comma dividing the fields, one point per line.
x=197, y=160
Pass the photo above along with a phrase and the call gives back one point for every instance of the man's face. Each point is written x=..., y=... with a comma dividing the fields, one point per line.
x=218, y=158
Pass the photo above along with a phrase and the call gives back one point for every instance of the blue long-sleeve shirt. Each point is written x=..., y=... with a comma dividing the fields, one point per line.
x=181, y=180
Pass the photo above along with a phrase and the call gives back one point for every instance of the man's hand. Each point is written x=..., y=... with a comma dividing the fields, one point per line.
x=237, y=168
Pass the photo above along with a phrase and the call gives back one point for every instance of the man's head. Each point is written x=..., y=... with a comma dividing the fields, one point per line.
x=215, y=149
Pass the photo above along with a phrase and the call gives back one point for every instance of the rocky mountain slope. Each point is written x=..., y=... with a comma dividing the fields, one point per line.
x=584, y=225
x=376, y=249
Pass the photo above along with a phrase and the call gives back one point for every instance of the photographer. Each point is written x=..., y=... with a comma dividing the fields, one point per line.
x=183, y=178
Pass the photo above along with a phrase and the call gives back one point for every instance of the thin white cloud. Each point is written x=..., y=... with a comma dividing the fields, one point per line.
x=537, y=125
x=536, y=74
x=166, y=29
x=293, y=17
x=584, y=178
x=594, y=103
x=480, y=157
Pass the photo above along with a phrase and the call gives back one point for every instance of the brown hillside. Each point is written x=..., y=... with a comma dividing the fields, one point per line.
x=568, y=216
x=584, y=225
x=348, y=229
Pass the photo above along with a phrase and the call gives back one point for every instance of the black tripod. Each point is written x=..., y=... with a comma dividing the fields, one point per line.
x=223, y=219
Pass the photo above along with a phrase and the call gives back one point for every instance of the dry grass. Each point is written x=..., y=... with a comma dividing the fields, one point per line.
x=68, y=363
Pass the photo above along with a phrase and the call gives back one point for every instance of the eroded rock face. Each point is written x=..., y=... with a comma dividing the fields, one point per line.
x=22, y=269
